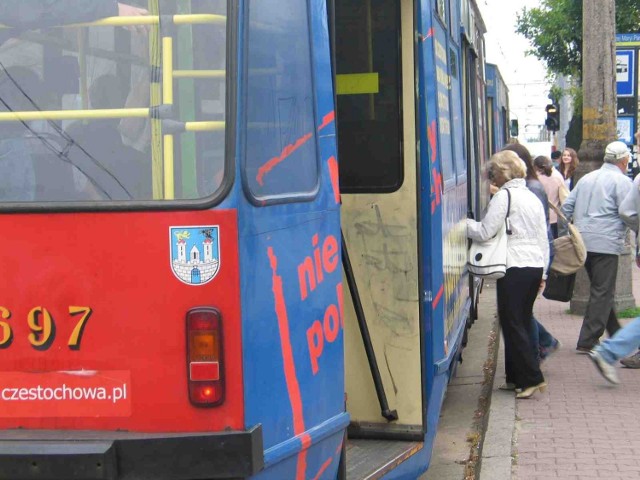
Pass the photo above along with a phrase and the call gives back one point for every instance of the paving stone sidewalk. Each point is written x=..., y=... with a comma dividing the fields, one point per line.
x=581, y=428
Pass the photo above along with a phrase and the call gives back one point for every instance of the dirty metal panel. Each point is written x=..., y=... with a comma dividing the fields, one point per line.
x=371, y=459
x=381, y=234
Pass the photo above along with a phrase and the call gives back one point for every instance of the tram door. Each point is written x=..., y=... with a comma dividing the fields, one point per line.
x=376, y=143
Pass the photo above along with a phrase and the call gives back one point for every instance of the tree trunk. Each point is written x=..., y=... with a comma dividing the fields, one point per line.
x=599, y=124
x=573, y=139
x=598, y=81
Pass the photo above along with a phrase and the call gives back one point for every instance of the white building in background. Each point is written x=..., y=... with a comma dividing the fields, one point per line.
x=566, y=109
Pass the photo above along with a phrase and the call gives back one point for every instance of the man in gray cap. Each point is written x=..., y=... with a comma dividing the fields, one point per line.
x=594, y=205
x=627, y=339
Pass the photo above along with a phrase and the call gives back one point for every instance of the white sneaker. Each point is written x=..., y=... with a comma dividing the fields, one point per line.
x=607, y=370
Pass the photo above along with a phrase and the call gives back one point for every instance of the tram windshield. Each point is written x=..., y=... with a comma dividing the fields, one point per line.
x=103, y=101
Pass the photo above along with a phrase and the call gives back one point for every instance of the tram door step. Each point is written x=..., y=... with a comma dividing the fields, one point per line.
x=371, y=459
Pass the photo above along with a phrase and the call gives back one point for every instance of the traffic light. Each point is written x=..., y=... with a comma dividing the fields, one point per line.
x=553, y=118
x=513, y=129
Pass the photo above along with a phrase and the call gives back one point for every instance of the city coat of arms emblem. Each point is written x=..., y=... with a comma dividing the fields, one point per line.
x=195, y=253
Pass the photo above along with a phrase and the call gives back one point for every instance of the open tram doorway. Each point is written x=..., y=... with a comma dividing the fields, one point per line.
x=376, y=118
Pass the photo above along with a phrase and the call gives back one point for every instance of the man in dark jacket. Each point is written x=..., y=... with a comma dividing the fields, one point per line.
x=117, y=172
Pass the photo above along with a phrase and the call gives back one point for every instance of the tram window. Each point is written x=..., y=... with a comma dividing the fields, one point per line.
x=461, y=162
x=448, y=171
x=280, y=146
x=369, y=93
x=80, y=107
x=441, y=8
x=454, y=21
x=453, y=60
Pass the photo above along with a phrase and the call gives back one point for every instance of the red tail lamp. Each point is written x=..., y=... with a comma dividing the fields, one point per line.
x=205, y=368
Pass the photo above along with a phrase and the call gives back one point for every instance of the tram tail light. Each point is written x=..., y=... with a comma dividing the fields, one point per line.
x=204, y=357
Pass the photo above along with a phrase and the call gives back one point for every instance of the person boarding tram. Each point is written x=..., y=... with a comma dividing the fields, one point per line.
x=543, y=342
x=527, y=261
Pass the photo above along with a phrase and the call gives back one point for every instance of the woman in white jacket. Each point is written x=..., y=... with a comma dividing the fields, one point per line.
x=527, y=260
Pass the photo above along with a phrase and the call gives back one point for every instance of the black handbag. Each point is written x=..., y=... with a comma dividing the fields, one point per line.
x=559, y=287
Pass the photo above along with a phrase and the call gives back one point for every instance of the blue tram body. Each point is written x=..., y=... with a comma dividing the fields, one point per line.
x=410, y=174
x=290, y=240
x=498, y=108
x=356, y=134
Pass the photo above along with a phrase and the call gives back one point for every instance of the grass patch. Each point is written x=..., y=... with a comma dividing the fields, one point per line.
x=632, y=312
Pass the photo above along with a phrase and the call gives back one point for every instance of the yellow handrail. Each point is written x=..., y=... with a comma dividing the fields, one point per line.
x=167, y=99
x=105, y=113
x=167, y=70
x=128, y=21
x=155, y=97
x=161, y=91
x=199, y=19
x=204, y=126
x=169, y=180
x=190, y=19
x=75, y=114
x=199, y=73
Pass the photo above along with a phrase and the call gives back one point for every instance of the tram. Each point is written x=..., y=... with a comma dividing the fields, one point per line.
x=234, y=235
x=497, y=107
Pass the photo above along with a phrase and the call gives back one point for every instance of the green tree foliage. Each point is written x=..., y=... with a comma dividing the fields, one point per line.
x=555, y=31
x=627, y=16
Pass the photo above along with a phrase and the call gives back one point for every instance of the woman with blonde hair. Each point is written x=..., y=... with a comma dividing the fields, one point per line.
x=542, y=342
x=527, y=260
x=568, y=164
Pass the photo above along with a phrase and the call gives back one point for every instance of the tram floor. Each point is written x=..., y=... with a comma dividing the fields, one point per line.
x=371, y=459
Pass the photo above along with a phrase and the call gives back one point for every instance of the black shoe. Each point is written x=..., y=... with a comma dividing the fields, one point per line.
x=632, y=362
x=583, y=350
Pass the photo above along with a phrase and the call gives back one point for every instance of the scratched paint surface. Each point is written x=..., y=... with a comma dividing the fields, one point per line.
x=290, y=249
x=381, y=234
x=444, y=235
x=382, y=240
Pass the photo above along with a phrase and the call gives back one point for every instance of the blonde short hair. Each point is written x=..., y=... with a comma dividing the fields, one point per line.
x=508, y=165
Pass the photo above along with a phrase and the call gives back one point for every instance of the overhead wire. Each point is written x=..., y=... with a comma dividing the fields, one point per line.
x=62, y=154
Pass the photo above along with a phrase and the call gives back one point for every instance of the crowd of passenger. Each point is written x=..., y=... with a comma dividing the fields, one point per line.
x=539, y=195
x=43, y=160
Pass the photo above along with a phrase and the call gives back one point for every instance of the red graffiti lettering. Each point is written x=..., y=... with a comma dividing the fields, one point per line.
x=433, y=140
x=327, y=119
x=340, y=304
x=316, y=257
x=436, y=189
x=305, y=270
x=324, y=466
x=330, y=254
x=311, y=270
x=438, y=296
x=315, y=340
x=287, y=151
x=327, y=462
x=332, y=323
x=291, y=379
x=333, y=174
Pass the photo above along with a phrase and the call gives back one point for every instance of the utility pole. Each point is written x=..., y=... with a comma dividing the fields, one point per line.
x=599, y=124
